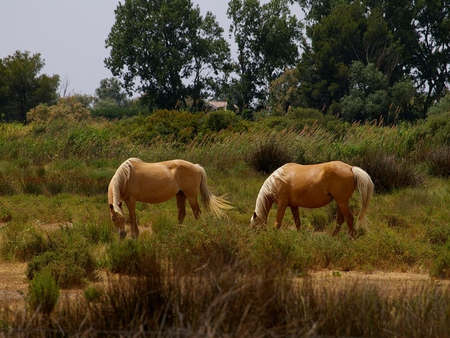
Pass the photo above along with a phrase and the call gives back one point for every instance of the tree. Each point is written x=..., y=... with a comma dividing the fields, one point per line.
x=22, y=88
x=371, y=97
x=403, y=39
x=267, y=39
x=423, y=28
x=162, y=44
x=350, y=32
x=111, y=89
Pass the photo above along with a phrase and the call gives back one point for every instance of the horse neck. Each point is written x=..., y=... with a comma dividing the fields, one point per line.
x=114, y=191
x=265, y=199
x=118, y=182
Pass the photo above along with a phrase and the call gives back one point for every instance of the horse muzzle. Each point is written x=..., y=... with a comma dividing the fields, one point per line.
x=122, y=234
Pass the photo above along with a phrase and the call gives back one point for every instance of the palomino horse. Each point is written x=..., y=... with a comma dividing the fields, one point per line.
x=155, y=183
x=314, y=186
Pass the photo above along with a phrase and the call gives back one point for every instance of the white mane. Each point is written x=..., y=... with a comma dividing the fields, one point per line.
x=268, y=191
x=119, y=180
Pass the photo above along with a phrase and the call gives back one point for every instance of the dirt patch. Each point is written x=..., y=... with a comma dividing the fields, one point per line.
x=14, y=285
x=388, y=284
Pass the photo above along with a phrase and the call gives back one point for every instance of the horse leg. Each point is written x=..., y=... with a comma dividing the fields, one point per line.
x=131, y=204
x=347, y=215
x=340, y=221
x=194, y=206
x=280, y=214
x=296, y=217
x=181, y=206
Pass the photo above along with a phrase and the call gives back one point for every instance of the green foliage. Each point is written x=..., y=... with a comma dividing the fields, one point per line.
x=93, y=294
x=164, y=123
x=69, y=109
x=197, y=50
x=389, y=173
x=21, y=86
x=269, y=154
x=439, y=161
x=43, y=293
x=68, y=259
x=440, y=107
x=280, y=252
x=22, y=242
x=218, y=120
x=441, y=265
x=371, y=97
x=266, y=36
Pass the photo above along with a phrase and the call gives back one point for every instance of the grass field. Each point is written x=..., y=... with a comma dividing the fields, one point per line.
x=221, y=277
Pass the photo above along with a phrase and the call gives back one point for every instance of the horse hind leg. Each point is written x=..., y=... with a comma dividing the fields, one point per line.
x=344, y=213
x=194, y=206
x=181, y=206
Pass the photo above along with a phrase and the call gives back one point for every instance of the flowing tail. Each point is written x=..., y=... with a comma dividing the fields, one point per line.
x=212, y=203
x=366, y=188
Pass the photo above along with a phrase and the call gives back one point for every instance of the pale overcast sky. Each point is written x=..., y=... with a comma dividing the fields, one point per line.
x=70, y=35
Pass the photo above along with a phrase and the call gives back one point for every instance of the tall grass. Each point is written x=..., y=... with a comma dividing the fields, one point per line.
x=220, y=277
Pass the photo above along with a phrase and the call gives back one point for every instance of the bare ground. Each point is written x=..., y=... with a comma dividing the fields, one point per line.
x=14, y=285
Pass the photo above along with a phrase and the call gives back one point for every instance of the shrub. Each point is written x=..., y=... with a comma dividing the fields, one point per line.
x=269, y=154
x=389, y=172
x=130, y=257
x=221, y=119
x=43, y=293
x=441, y=266
x=22, y=242
x=439, y=161
x=68, y=259
x=67, y=108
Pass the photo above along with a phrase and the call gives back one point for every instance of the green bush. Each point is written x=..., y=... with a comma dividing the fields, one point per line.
x=68, y=259
x=279, y=251
x=216, y=121
x=388, y=172
x=269, y=154
x=440, y=268
x=439, y=161
x=22, y=242
x=43, y=293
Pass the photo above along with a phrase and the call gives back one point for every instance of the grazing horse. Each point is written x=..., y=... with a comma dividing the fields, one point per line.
x=154, y=183
x=314, y=186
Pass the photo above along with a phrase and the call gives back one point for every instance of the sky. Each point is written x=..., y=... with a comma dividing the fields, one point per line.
x=70, y=35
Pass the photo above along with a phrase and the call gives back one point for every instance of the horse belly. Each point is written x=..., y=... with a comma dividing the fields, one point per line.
x=310, y=199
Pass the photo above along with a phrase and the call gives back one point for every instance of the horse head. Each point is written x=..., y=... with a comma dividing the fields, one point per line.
x=118, y=219
x=256, y=221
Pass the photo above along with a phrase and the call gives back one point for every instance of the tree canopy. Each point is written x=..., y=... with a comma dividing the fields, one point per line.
x=156, y=45
x=22, y=87
x=407, y=41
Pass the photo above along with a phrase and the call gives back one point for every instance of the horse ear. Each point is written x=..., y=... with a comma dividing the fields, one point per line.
x=120, y=204
x=111, y=206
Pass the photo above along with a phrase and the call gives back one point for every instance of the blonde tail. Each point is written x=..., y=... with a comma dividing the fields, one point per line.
x=212, y=203
x=366, y=189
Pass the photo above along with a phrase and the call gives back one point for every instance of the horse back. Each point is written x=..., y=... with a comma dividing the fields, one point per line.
x=158, y=182
x=316, y=185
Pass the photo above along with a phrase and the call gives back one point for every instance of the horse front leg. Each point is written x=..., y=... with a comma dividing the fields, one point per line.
x=131, y=204
x=280, y=214
x=296, y=217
